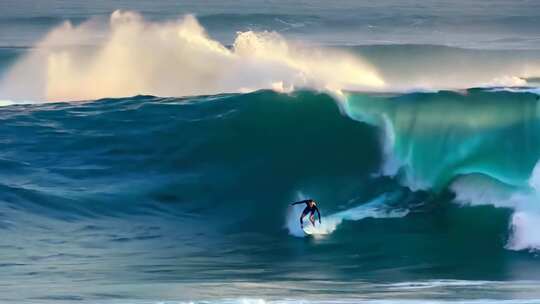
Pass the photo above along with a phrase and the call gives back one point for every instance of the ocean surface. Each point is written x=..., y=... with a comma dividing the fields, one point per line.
x=149, y=151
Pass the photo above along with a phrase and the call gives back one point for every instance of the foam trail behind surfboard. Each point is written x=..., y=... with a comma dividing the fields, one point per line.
x=375, y=208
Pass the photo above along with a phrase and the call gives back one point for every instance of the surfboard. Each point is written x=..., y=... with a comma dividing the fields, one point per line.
x=309, y=229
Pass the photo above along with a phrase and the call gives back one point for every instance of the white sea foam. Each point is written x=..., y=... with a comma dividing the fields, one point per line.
x=525, y=220
x=518, y=90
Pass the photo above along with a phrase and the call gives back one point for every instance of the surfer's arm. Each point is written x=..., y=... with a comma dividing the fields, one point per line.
x=318, y=214
x=300, y=202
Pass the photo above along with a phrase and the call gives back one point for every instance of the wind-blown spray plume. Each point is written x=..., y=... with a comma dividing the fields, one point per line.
x=132, y=56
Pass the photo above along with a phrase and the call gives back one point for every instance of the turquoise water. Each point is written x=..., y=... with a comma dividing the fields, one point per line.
x=118, y=184
x=146, y=198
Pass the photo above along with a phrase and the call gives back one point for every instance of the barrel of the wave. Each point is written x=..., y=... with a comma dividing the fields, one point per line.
x=432, y=138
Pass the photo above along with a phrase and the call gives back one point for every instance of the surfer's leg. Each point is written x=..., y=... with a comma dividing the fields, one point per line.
x=312, y=218
x=304, y=213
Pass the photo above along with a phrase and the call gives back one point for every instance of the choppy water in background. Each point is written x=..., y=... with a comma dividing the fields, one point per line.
x=427, y=195
x=478, y=24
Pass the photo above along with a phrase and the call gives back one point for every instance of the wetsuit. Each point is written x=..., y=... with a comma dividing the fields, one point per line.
x=307, y=210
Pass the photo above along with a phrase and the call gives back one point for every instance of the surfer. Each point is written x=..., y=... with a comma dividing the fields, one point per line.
x=311, y=207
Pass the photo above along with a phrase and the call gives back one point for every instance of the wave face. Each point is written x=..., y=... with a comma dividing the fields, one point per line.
x=196, y=190
x=483, y=142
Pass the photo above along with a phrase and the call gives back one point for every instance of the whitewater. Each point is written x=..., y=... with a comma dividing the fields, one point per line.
x=150, y=153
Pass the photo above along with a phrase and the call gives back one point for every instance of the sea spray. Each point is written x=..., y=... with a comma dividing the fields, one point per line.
x=175, y=58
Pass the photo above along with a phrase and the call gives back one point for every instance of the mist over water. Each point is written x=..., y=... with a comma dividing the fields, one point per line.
x=93, y=59
x=182, y=61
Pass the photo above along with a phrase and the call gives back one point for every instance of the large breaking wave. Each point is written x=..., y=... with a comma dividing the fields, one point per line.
x=232, y=154
x=482, y=144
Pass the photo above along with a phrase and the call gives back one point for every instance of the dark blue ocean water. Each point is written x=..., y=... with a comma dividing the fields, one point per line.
x=478, y=23
x=150, y=198
x=428, y=194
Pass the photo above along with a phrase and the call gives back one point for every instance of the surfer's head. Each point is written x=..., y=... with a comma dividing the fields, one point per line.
x=311, y=203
